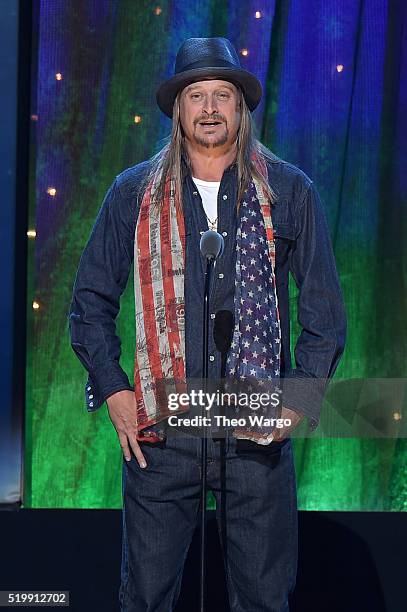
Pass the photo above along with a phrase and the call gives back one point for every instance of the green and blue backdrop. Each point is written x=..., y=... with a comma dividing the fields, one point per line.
x=335, y=95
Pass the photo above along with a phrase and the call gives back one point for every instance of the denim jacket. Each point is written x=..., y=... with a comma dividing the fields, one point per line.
x=303, y=247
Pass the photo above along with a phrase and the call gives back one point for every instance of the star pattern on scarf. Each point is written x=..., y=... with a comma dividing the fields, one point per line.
x=255, y=348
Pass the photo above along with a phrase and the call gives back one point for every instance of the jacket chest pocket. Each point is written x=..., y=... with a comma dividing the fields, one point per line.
x=284, y=232
x=284, y=238
x=283, y=221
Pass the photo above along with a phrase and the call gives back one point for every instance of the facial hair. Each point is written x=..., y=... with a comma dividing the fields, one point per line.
x=202, y=141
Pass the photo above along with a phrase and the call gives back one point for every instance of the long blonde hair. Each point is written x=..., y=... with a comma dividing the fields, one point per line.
x=168, y=161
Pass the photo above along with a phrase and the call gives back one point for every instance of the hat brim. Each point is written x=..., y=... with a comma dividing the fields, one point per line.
x=249, y=84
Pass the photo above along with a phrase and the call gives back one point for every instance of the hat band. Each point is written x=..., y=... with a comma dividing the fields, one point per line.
x=204, y=64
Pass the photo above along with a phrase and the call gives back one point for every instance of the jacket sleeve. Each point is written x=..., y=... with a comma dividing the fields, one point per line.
x=100, y=281
x=320, y=308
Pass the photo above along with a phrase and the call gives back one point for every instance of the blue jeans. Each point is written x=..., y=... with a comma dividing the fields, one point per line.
x=160, y=512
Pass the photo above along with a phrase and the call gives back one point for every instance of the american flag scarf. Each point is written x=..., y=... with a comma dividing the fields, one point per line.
x=159, y=264
x=254, y=356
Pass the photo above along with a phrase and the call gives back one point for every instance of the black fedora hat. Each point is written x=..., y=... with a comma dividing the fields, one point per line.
x=199, y=58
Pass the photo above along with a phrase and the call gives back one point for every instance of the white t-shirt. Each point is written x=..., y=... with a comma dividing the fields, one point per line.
x=208, y=191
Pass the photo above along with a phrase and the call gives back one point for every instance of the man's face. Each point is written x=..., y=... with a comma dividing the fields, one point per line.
x=210, y=113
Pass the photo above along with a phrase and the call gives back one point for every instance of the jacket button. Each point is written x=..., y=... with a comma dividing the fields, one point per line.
x=224, y=234
x=88, y=388
x=212, y=315
x=195, y=192
x=211, y=358
x=221, y=275
x=90, y=396
x=225, y=197
x=91, y=404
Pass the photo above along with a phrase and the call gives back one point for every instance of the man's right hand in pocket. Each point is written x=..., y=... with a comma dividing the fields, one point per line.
x=123, y=414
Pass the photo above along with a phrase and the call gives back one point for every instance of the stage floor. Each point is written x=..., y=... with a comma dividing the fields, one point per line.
x=348, y=562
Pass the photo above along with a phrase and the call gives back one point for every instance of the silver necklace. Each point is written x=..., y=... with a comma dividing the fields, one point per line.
x=212, y=224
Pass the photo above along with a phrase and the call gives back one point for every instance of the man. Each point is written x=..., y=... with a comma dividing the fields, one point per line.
x=212, y=173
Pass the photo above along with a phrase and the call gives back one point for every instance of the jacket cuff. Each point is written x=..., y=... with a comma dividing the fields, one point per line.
x=104, y=381
x=304, y=395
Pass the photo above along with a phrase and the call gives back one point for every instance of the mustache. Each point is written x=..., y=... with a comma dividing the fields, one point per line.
x=215, y=117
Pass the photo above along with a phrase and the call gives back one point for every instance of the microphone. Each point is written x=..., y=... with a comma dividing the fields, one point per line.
x=211, y=245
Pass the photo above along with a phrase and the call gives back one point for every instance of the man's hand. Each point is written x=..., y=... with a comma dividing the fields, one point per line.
x=277, y=435
x=284, y=432
x=123, y=414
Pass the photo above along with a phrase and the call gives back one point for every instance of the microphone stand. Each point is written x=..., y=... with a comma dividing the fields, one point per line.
x=204, y=446
x=211, y=246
